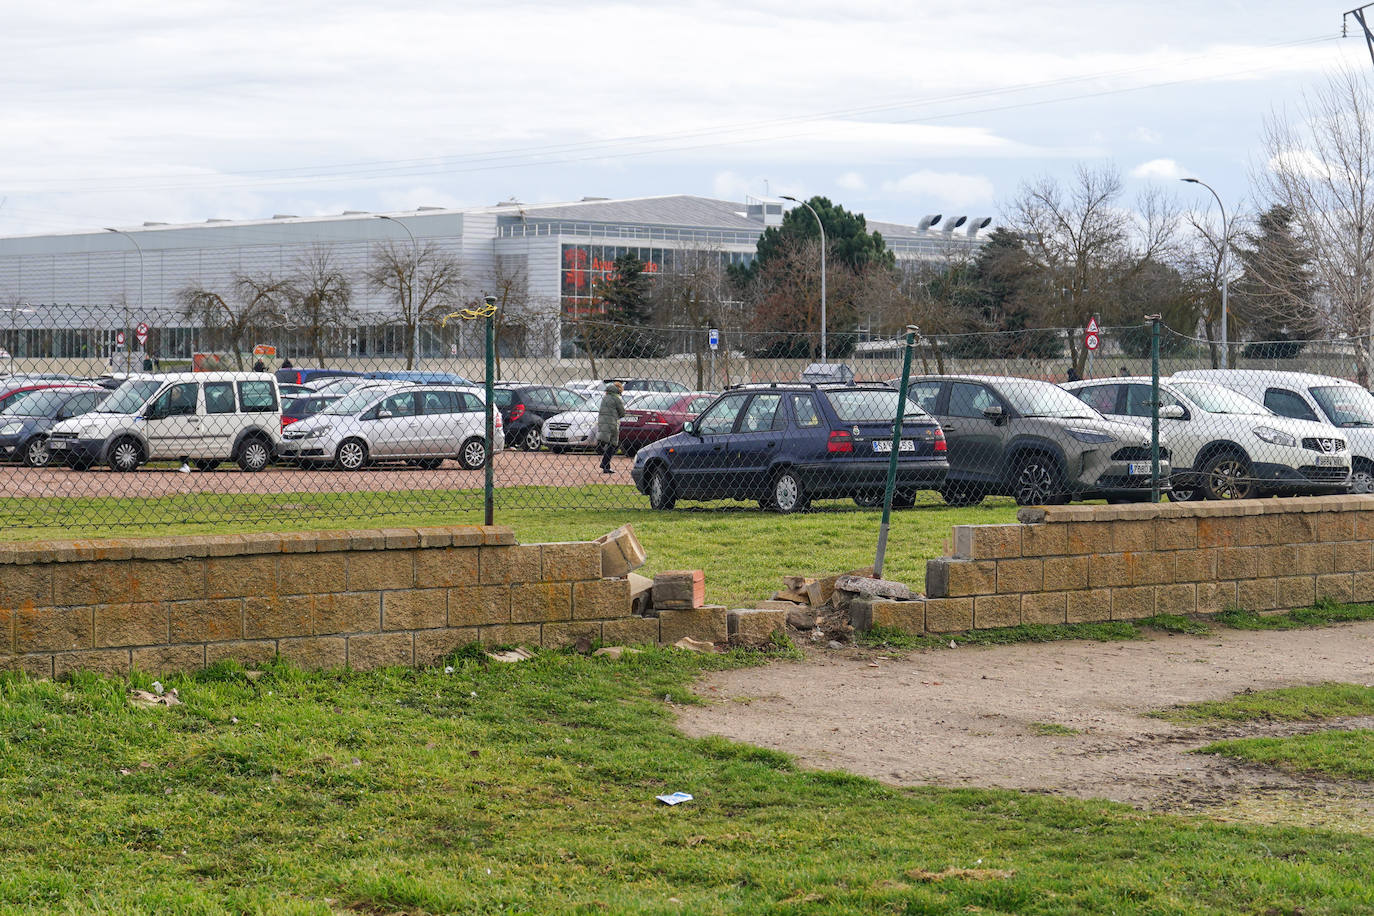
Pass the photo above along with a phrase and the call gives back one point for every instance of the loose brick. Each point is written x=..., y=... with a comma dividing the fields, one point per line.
x=206, y=621
x=415, y=609
x=540, y=602
x=1297, y=591
x=315, y=652
x=947, y=578
x=446, y=568
x=479, y=605
x=987, y=542
x=169, y=659
x=604, y=598
x=519, y=634
x=501, y=565
x=567, y=633
x=753, y=627
x=569, y=561
x=1338, y=587
x=1215, y=597
x=630, y=631
x=621, y=552
x=996, y=611
x=277, y=617
x=1048, y=607
x=381, y=569
x=49, y=629
x=248, y=653
x=908, y=616
x=306, y=574
x=381, y=650
x=1176, y=599
x=112, y=662
x=1044, y=540
x=1020, y=576
x=1090, y=605
x=680, y=589
x=432, y=645
x=346, y=612
x=1133, y=603
x=1108, y=570
x=234, y=577
x=949, y=615
x=708, y=623
x=1066, y=573
x=1257, y=594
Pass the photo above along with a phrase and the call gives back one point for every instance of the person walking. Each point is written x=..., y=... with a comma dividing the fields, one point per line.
x=608, y=423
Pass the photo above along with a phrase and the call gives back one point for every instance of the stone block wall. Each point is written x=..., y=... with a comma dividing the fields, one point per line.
x=360, y=599
x=1074, y=564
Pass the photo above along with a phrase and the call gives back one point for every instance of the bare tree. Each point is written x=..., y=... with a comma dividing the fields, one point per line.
x=422, y=281
x=1321, y=167
x=251, y=304
x=319, y=298
x=690, y=293
x=1199, y=260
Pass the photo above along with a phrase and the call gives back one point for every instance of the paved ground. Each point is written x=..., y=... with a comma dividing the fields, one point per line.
x=964, y=717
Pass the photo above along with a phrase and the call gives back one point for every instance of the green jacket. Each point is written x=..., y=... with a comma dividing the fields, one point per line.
x=608, y=418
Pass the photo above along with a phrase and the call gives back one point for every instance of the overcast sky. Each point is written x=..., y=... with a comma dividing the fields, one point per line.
x=117, y=112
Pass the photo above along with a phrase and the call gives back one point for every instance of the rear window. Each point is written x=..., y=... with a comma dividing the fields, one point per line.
x=257, y=397
x=880, y=404
x=657, y=401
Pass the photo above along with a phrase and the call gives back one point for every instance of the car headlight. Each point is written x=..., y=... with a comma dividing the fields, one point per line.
x=1090, y=436
x=9, y=429
x=1274, y=436
x=305, y=434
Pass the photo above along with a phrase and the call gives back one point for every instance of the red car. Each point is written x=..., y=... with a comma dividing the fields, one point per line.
x=11, y=393
x=659, y=415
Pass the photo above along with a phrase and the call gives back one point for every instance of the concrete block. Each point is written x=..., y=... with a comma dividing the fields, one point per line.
x=601, y=600
x=35, y=666
x=168, y=659
x=1133, y=536
x=1044, y=540
x=53, y=629
x=517, y=634
x=315, y=652
x=498, y=535
x=1215, y=597
x=566, y=633
x=501, y=565
x=1315, y=559
x=415, y=609
x=621, y=552
x=947, y=578
x=1151, y=567
x=112, y=662
x=432, y=645
x=1222, y=531
x=1088, y=537
x=1175, y=533
x=1108, y=570
x=680, y=589
x=642, y=595
x=1176, y=599
x=948, y=615
x=1363, y=587
x=630, y=631
x=1066, y=573
x=470, y=535
x=538, y=602
x=380, y=569
x=1046, y=607
x=1336, y=526
x=368, y=651
x=479, y=605
x=346, y=612
x=1257, y=594
x=709, y=623
x=446, y=567
x=876, y=588
x=1085, y=606
x=298, y=542
x=987, y=542
x=206, y=620
x=1296, y=591
x=307, y=573
x=1133, y=603
x=32, y=586
x=996, y=611
x=1020, y=576
x=1354, y=556
x=163, y=580
x=1338, y=587
x=909, y=616
x=400, y=538
x=278, y=617
x=130, y=624
x=248, y=653
x=569, y=561
x=1196, y=565
x=754, y=627
x=434, y=538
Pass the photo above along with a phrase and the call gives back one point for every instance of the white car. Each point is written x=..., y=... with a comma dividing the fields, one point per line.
x=577, y=428
x=202, y=417
x=419, y=424
x=1223, y=444
x=1305, y=396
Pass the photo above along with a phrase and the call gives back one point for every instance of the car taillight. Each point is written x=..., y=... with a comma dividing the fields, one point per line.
x=517, y=412
x=657, y=418
x=287, y=421
x=840, y=441
x=496, y=419
x=940, y=444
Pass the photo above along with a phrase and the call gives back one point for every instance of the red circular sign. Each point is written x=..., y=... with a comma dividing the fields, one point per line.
x=1091, y=342
x=141, y=332
x=119, y=338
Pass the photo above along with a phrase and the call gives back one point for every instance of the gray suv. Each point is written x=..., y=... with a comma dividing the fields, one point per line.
x=1033, y=441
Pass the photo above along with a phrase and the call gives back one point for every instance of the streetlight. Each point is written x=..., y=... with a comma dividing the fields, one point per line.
x=821, y=226
x=1225, y=250
x=410, y=287
x=139, y=249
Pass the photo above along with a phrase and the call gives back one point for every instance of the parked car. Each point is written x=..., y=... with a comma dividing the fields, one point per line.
x=298, y=408
x=1223, y=444
x=835, y=373
x=421, y=377
x=660, y=415
x=576, y=428
x=25, y=424
x=1305, y=396
x=1033, y=441
x=13, y=392
x=291, y=391
x=204, y=417
x=786, y=444
x=419, y=424
x=524, y=408
x=303, y=375
x=596, y=386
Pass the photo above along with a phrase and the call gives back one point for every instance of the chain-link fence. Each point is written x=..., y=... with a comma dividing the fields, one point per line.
x=112, y=418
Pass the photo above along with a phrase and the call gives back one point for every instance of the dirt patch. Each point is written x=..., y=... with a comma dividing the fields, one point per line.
x=976, y=716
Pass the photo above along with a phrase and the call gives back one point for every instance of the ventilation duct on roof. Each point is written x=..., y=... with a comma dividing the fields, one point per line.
x=978, y=222
x=954, y=224
x=928, y=220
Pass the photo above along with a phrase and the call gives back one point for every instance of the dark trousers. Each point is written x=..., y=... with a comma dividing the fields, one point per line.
x=607, y=450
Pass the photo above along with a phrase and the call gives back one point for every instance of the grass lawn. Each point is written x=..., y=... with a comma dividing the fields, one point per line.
x=1286, y=704
x=1339, y=754
x=530, y=787
x=743, y=551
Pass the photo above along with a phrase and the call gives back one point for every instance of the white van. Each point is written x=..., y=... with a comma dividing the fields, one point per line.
x=1305, y=396
x=201, y=417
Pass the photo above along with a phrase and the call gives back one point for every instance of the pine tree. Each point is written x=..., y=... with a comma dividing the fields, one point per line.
x=1274, y=298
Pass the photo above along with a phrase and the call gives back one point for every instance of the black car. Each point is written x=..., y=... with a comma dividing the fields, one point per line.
x=524, y=408
x=298, y=408
x=24, y=425
x=787, y=444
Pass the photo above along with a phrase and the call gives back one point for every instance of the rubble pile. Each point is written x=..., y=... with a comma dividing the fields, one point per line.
x=818, y=608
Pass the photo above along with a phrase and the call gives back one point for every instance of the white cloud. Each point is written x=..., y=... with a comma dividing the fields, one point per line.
x=1298, y=161
x=1159, y=168
x=1146, y=135
x=943, y=187
x=732, y=186
x=851, y=181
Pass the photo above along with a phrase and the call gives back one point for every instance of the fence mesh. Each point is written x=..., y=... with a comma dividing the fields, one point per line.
x=112, y=420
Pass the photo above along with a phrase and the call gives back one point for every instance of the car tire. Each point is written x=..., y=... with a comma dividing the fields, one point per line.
x=788, y=493
x=473, y=454
x=429, y=464
x=36, y=454
x=557, y=449
x=533, y=440
x=254, y=455
x=629, y=451
x=1362, y=478
x=1227, y=476
x=904, y=499
x=206, y=464
x=961, y=495
x=662, y=496
x=1037, y=481
x=125, y=454
x=351, y=455
x=1185, y=488
x=869, y=499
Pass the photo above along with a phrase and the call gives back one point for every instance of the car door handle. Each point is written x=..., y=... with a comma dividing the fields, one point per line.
x=949, y=426
x=716, y=448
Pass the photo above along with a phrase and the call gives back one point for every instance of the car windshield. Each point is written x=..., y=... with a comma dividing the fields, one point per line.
x=1031, y=398
x=352, y=403
x=1218, y=399
x=657, y=401
x=880, y=404
x=43, y=403
x=1346, y=405
x=131, y=396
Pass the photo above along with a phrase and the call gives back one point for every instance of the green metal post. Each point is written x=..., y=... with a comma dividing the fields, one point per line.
x=891, y=487
x=1154, y=408
x=489, y=482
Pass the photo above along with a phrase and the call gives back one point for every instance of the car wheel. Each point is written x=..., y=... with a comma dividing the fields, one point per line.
x=557, y=449
x=125, y=454
x=788, y=495
x=36, y=454
x=473, y=454
x=1185, y=488
x=1227, y=476
x=254, y=455
x=869, y=498
x=429, y=464
x=661, y=493
x=629, y=451
x=351, y=455
x=1037, y=482
x=903, y=499
x=1362, y=478
x=533, y=440
x=205, y=464
x=961, y=495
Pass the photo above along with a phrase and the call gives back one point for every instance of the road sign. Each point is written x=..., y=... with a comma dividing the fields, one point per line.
x=119, y=338
x=1092, y=326
x=141, y=332
x=713, y=338
x=1091, y=341
x=264, y=350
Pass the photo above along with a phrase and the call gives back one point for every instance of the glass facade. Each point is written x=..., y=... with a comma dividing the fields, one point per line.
x=583, y=268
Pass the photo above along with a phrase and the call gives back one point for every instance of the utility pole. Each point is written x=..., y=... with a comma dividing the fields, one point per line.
x=1358, y=13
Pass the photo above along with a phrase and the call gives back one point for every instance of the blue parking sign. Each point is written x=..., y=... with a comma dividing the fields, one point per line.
x=713, y=337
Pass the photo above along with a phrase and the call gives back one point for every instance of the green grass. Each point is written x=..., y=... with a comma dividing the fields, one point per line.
x=1176, y=623
x=530, y=788
x=1286, y=704
x=1323, y=613
x=1338, y=754
x=1052, y=730
x=1106, y=631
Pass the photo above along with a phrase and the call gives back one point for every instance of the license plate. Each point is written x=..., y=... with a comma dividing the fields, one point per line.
x=58, y=444
x=1139, y=468
x=885, y=445
x=1329, y=461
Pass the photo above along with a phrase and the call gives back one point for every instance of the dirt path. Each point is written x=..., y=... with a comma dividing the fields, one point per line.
x=967, y=716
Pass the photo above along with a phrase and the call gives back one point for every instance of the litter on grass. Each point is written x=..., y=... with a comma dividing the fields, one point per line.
x=676, y=798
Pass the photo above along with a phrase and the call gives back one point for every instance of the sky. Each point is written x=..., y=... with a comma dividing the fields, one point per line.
x=118, y=112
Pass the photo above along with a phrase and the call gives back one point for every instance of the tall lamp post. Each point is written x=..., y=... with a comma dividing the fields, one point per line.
x=410, y=288
x=820, y=226
x=1225, y=250
x=139, y=249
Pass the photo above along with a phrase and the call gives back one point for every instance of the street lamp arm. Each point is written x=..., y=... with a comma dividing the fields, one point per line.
x=1225, y=251
x=821, y=226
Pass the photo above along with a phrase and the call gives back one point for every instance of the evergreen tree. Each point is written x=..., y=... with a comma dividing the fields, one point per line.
x=1273, y=299
x=625, y=294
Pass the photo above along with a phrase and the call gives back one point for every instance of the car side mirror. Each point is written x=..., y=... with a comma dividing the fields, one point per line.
x=384, y=415
x=154, y=413
x=1172, y=412
x=994, y=413
x=690, y=428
